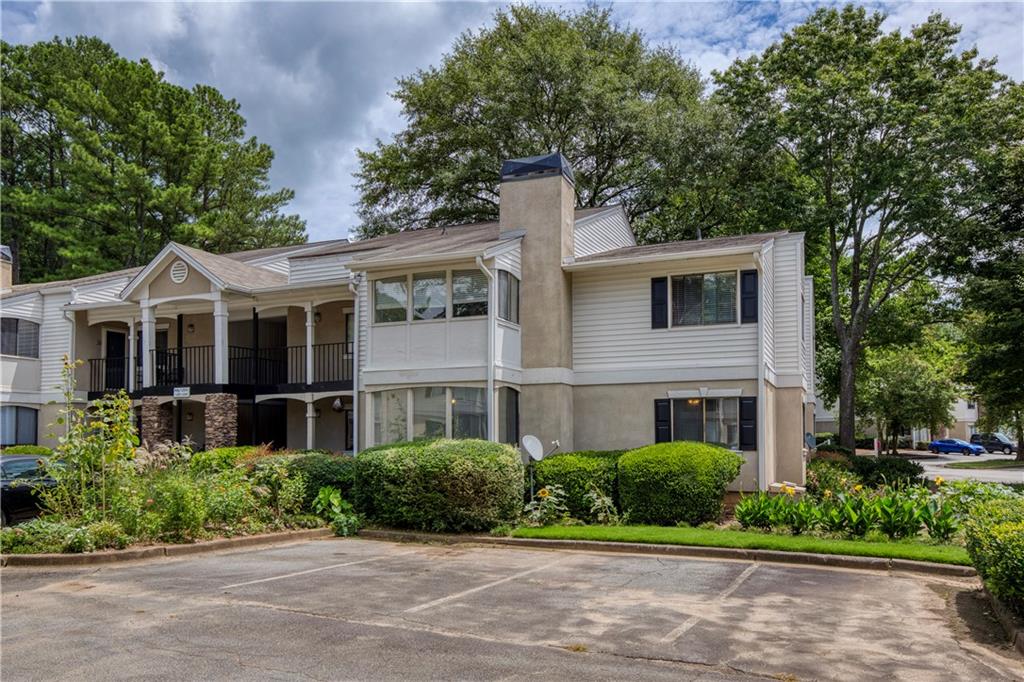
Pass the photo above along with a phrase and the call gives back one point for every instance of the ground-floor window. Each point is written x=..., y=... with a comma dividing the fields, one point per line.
x=730, y=422
x=439, y=412
x=508, y=415
x=390, y=416
x=469, y=413
x=18, y=425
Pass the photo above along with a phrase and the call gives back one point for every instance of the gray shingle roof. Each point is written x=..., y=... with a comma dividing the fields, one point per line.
x=235, y=273
x=681, y=247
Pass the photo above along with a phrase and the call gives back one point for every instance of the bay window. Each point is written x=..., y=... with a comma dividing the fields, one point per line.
x=428, y=412
x=508, y=296
x=441, y=412
x=390, y=299
x=390, y=416
x=429, y=295
x=469, y=413
x=469, y=293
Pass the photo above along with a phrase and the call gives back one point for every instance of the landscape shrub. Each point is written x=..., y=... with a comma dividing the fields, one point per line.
x=441, y=485
x=39, y=450
x=965, y=495
x=321, y=470
x=677, y=482
x=995, y=542
x=35, y=536
x=894, y=472
x=833, y=448
x=107, y=535
x=229, y=498
x=218, y=459
x=577, y=473
x=181, y=505
x=834, y=476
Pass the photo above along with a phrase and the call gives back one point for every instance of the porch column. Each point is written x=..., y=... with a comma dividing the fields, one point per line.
x=220, y=340
x=310, y=424
x=131, y=354
x=309, y=342
x=148, y=344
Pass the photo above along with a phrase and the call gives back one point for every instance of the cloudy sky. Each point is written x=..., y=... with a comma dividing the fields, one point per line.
x=313, y=79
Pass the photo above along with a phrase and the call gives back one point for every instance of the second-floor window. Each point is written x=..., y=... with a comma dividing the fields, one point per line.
x=429, y=296
x=390, y=299
x=19, y=337
x=508, y=296
x=469, y=293
x=704, y=299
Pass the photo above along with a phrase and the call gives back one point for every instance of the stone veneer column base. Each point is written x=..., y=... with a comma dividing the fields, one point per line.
x=157, y=421
x=221, y=420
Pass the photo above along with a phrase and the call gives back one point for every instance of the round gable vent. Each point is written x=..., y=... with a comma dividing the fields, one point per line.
x=179, y=271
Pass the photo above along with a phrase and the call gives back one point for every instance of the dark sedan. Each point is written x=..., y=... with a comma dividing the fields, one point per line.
x=955, y=445
x=20, y=476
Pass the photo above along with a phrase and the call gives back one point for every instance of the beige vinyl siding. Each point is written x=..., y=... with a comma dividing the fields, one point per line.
x=26, y=307
x=603, y=232
x=101, y=292
x=54, y=342
x=612, y=322
x=787, y=305
x=364, y=316
x=279, y=265
x=322, y=268
x=766, y=285
x=808, y=337
x=511, y=261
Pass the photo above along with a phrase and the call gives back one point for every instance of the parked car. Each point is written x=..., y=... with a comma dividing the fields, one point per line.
x=955, y=445
x=995, y=442
x=19, y=477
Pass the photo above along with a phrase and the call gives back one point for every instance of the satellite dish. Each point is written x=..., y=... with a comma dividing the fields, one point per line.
x=533, y=448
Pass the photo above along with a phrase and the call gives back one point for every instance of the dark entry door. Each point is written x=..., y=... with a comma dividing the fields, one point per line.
x=116, y=361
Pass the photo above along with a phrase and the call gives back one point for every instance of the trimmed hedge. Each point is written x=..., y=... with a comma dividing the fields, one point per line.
x=218, y=459
x=994, y=534
x=677, y=482
x=441, y=485
x=576, y=472
x=895, y=472
x=27, y=450
x=324, y=469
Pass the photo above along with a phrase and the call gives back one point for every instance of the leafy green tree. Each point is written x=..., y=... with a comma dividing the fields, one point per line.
x=885, y=132
x=629, y=117
x=103, y=162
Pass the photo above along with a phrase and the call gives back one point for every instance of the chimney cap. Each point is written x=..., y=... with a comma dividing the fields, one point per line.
x=532, y=166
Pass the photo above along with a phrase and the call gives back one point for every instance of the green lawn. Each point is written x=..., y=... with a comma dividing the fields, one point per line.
x=945, y=554
x=987, y=464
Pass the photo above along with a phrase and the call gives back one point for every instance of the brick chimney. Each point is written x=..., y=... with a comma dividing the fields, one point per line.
x=537, y=195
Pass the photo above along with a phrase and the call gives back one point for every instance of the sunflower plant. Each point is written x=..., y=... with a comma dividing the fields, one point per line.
x=547, y=507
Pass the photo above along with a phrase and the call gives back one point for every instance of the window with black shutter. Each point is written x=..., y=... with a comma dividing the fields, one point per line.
x=748, y=296
x=659, y=303
x=748, y=423
x=662, y=420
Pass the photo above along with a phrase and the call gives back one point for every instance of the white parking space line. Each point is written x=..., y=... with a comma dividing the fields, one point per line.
x=464, y=593
x=725, y=594
x=315, y=570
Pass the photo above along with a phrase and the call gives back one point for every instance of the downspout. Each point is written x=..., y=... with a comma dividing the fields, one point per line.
x=762, y=397
x=353, y=286
x=490, y=345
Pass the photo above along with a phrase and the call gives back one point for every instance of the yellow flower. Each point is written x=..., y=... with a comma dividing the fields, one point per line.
x=939, y=480
x=828, y=493
x=857, y=488
x=543, y=492
x=789, y=490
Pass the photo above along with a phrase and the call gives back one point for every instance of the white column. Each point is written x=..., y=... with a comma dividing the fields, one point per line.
x=148, y=344
x=310, y=424
x=309, y=342
x=131, y=354
x=220, y=341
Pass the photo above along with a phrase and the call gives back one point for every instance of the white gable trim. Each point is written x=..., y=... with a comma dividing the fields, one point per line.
x=159, y=262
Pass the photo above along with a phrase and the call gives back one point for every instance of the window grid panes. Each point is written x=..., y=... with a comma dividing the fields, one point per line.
x=429, y=412
x=390, y=416
x=389, y=299
x=704, y=299
x=710, y=420
x=469, y=293
x=429, y=296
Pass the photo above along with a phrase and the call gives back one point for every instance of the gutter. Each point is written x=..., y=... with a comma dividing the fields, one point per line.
x=762, y=396
x=491, y=291
x=353, y=286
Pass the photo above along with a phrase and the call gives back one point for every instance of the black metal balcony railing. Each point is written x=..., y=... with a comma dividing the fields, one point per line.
x=195, y=365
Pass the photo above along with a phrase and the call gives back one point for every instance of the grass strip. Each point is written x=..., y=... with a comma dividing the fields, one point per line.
x=987, y=464
x=701, y=537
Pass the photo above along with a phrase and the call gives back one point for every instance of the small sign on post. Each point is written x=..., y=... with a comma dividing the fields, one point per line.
x=182, y=391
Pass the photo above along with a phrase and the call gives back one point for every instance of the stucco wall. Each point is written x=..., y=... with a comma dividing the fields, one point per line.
x=546, y=411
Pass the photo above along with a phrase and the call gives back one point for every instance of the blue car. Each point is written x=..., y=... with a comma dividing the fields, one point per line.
x=956, y=446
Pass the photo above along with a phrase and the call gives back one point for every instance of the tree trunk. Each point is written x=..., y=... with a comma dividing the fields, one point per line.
x=847, y=375
x=1018, y=422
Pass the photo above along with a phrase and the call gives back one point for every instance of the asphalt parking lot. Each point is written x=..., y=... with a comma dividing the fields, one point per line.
x=361, y=609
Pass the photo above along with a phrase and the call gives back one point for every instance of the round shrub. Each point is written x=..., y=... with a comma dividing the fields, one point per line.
x=321, y=470
x=994, y=534
x=443, y=485
x=577, y=473
x=28, y=450
x=678, y=482
x=218, y=459
x=895, y=472
x=832, y=475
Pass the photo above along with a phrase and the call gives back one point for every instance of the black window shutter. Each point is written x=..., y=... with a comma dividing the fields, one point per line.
x=662, y=420
x=748, y=423
x=748, y=296
x=659, y=302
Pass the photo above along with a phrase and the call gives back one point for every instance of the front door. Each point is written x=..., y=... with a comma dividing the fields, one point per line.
x=116, y=361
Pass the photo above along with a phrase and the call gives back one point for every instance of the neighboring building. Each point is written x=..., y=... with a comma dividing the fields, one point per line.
x=550, y=321
x=965, y=418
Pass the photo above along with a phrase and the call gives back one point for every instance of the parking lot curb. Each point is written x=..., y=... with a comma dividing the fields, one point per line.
x=763, y=555
x=160, y=551
x=1012, y=624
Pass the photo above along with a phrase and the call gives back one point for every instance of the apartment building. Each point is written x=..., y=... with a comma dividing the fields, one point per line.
x=551, y=321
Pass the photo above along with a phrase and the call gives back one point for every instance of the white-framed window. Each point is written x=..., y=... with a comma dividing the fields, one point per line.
x=390, y=416
x=469, y=293
x=704, y=299
x=18, y=425
x=390, y=299
x=429, y=412
x=508, y=296
x=710, y=420
x=19, y=337
x=469, y=412
x=429, y=295
x=437, y=412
